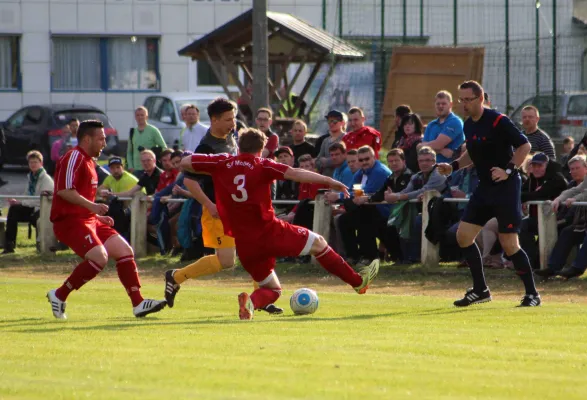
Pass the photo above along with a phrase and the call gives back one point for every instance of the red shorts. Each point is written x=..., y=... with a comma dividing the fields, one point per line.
x=82, y=235
x=280, y=239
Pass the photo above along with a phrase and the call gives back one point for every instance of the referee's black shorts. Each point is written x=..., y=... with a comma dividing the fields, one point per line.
x=501, y=201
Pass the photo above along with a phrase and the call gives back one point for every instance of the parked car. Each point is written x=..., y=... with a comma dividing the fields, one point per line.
x=164, y=111
x=37, y=127
x=570, y=118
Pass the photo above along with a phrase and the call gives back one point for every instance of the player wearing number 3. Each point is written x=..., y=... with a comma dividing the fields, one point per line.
x=242, y=186
x=82, y=225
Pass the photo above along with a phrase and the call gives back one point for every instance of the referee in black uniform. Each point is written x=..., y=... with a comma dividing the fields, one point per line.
x=491, y=139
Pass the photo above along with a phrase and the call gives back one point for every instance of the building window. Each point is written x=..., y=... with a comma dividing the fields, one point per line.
x=118, y=63
x=9, y=63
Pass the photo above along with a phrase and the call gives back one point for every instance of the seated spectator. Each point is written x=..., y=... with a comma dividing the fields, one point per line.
x=539, y=139
x=412, y=127
x=342, y=172
x=170, y=169
x=119, y=179
x=336, y=125
x=396, y=182
x=568, y=144
x=545, y=182
x=578, y=171
x=352, y=159
x=300, y=146
x=362, y=223
x=444, y=134
x=286, y=189
x=400, y=112
x=427, y=179
x=27, y=210
x=149, y=178
x=359, y=134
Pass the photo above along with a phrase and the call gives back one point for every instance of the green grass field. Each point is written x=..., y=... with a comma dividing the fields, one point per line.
x=392, y=343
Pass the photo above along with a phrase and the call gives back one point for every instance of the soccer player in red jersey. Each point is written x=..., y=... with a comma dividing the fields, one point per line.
x=82, y=225
x=242, y=189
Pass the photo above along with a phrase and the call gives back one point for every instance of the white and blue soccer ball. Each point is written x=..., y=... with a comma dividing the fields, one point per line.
x=304, y=301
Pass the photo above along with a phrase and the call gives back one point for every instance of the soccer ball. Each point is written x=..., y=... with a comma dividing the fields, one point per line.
x=304, y=301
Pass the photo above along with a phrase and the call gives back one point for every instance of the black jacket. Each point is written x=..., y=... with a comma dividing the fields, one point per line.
x=395, y=183
x=546, y=188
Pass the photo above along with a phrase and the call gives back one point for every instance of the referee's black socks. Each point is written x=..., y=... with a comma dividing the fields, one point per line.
x=524, y=270
x=473, y=257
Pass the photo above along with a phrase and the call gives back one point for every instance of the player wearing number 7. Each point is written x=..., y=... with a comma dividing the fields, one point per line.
x=80, y=224
x=243, y=200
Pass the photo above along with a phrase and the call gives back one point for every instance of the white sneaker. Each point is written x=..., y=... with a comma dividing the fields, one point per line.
x=148, y=306
x=57, y=306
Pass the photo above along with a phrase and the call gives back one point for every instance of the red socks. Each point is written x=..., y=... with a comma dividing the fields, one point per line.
x=336, y=265
x=129, y=277
x=262, y=297
x=83, y=273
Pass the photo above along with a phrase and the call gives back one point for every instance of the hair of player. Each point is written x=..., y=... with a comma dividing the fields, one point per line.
x=337, y=146
x=444, y=94
x=402, y=110
x=34, y=154
x=301, y=123
x=219, y=106
x=352, y=152
x=142, y=108
x=251, y=141
x=304, y=158
x=177, y=153
x=568, y=140
x=150, y=153
x=396, y=153
x=414, y=119
x=356, y=110
x=426, y=150
x=474, y=86
x=265, y=110
x=87, y=127
x=532, y=108
x=366, y=149
x=191, y=107
x=578, y=158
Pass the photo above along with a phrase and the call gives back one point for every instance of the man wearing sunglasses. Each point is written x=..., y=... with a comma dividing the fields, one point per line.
x=336, y=129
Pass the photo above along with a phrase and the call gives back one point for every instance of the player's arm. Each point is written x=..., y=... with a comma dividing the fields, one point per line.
x=197, y=193
x=187, y=165
x=301, y=175
x=130, y=192
x=437, y=144
x=73, y=197
x=462, y=162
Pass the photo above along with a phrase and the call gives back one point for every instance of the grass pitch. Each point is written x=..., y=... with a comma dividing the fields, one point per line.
x=392, y=343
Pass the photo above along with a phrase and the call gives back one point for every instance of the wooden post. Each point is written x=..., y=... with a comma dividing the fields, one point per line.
x=430, y=252
x=547, y=232
x=322, y=219
x=45, y=226
x=138, y=224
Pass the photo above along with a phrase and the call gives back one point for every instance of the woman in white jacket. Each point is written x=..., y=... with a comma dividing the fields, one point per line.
x=27, y=210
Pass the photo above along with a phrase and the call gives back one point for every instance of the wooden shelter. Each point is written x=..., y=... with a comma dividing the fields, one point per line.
x=290, y=39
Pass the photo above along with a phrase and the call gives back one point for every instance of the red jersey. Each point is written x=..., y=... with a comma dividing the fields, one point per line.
x=272, y=144
x=364, y=136
x=308, y=191
x=75, y=170
x=242, y=187
x=166, y=178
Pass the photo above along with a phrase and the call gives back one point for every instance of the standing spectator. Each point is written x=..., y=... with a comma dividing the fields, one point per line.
x=368, y=221
x=300, y=146
x=336, y=124
x=352, y=159
x=412, y=127
x=119, y=179
x=361, y=135
x=70, y=140
x=27, y=210
x=149, y=179
x=286, y=189
x=61, y=144
x=568, y=144
x=400, y=112
x=263, y=121
x=194, y=131
x=444, y=134
x=143, y=137
x=539, y=139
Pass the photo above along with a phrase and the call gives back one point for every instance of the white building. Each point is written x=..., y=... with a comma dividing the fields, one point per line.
x=113, y=53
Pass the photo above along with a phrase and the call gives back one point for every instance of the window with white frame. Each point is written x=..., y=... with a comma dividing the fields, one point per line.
x=9, y=63
x=114, y=63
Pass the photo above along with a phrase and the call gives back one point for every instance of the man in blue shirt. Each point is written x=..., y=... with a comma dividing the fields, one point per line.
x=445, y=134
x=342, y=173
x=491, y=138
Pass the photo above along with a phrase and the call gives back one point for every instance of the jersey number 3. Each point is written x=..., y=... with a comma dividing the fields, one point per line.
x=239, y=181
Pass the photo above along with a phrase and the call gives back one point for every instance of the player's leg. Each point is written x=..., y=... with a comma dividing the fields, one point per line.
x=269, y=308
x=268, y=288
x=511, y=246
x=119, y=250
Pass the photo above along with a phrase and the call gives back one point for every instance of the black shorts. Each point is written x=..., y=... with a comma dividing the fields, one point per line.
x=501, y=201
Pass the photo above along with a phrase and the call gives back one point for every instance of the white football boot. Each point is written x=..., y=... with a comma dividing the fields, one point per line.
x=148, y=306
x=57, y=306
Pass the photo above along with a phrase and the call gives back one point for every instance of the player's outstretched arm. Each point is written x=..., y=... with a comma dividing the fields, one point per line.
x=303, y=176
x=463, y=161
x=196, y=191
x=73, y=197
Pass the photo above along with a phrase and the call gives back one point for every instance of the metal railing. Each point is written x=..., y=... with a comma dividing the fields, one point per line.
x=547, y=223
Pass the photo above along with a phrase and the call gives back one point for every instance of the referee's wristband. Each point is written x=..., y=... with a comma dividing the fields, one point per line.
x=455, y=165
